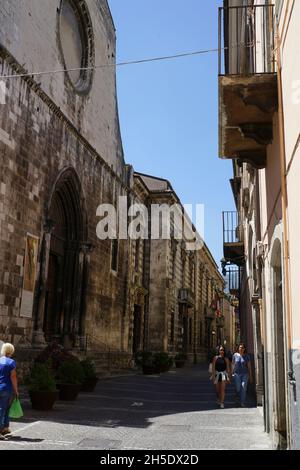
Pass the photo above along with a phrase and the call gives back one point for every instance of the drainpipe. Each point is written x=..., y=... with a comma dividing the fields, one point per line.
x=284, y=201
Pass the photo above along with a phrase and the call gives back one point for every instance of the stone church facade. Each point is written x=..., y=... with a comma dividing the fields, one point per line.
x=61, y=156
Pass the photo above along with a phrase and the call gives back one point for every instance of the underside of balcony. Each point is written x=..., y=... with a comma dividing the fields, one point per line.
x=246, y=107
x=234, y=252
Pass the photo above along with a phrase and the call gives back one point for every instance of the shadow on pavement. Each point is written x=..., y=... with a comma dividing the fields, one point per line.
x=136, y=400
x=23, y=439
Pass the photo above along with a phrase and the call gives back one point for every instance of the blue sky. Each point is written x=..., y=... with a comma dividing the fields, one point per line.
x=169, y=110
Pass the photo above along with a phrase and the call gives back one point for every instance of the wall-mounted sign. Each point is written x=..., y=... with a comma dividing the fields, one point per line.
x=29, y=276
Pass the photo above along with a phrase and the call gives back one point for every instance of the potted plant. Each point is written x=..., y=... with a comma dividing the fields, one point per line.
x=42, y=387
x=163, y=361
x=180, y=359
x=54, y=355
x=145, y=360
x=70, y=377
x=90, y=377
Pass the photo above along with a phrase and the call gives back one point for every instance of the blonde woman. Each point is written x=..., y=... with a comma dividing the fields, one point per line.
x=221, y=371
x=8, y=386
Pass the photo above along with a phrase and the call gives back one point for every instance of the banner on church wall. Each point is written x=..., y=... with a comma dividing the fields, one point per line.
x=29, y=275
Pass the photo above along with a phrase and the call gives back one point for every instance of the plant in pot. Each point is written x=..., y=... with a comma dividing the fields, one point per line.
x=70, y=377
x=145, y=359
x=54, y=354
x=90, y=376
x=163, y=361
x=138, y=358
x=42, y=387
x=180, y=359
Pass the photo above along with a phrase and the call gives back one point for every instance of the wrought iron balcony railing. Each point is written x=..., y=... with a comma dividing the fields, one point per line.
x=233, y=244
x=232, y=229
x=246, y=40
x=185, y=296
x=233, y=276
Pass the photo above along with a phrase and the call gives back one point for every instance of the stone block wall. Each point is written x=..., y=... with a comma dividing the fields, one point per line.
x=30, y=31
x=37, y=142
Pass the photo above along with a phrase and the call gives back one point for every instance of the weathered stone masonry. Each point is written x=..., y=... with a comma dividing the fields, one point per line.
x=60, y=157
x=37, y=145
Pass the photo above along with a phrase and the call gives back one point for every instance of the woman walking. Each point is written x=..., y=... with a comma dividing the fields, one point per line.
x=221, y=371
x=241, y=373
x=8, y=386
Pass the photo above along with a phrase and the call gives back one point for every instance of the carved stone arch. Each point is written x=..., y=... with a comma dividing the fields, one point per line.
x=67, y=269
x=139, y=294
x=67, y=186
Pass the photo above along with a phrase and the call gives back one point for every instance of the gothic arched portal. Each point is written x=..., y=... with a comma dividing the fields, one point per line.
x=63, y=315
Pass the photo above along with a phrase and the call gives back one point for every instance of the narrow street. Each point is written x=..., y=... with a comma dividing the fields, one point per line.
x=176, y=410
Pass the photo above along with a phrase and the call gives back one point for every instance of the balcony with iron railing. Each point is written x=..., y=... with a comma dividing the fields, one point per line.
x=233, y=276
x=186, y=296
x=247, y=82
x=233, y=243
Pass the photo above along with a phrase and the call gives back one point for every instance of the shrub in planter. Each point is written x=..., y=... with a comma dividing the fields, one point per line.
x=42, y=387
x=70, y=377
x=90, y=376
x=163, y=361
x=139, y=358
x=145, y=359
x=54, y=355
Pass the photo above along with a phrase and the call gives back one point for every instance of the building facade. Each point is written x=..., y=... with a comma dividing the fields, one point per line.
x=61, y=157
x=180, y=310
x=259, y=130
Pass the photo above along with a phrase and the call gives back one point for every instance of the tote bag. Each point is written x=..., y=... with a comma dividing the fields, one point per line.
x=15, y=410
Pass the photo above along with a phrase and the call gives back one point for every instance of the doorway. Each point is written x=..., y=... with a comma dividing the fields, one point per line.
x=64, y=286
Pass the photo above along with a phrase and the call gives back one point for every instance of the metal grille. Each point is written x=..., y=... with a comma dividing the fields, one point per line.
x=232, y=230
x=233, y=279
x=246, y=40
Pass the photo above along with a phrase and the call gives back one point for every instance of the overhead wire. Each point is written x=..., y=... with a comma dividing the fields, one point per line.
x=120, y=64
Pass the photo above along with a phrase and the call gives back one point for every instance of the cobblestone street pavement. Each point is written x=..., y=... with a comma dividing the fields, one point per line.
x=175, y=410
